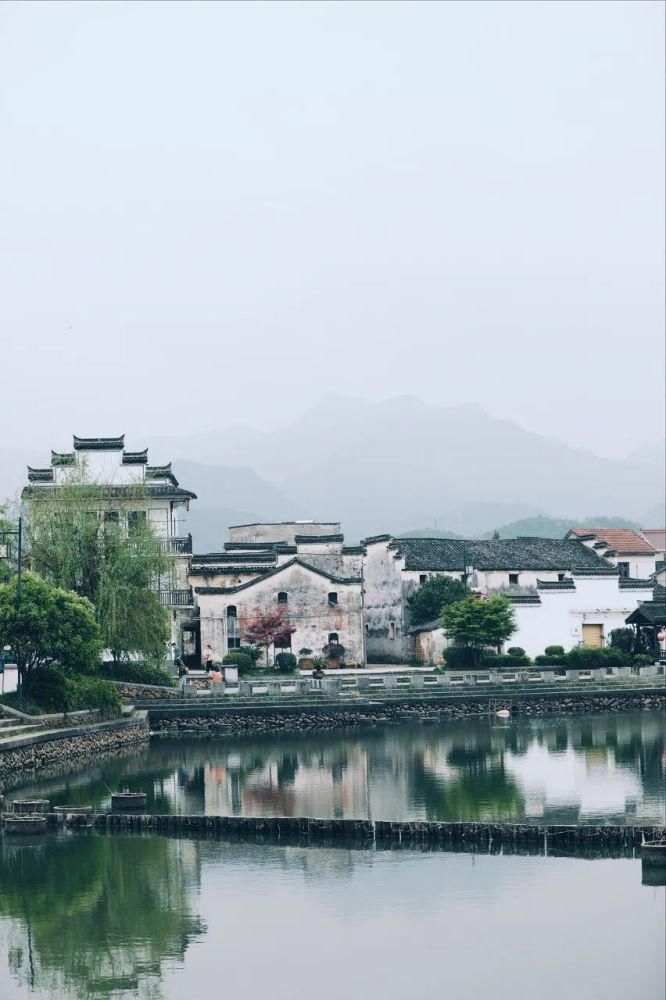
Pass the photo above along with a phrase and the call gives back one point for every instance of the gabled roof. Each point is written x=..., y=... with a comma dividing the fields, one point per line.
x=99, y=444
x=454, y=554
x=296, y=561
x=656, y=537
x=623, y=540
x=648, y=613
x=631, y=583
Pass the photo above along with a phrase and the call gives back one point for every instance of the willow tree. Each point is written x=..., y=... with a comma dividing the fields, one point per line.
x=78, y=538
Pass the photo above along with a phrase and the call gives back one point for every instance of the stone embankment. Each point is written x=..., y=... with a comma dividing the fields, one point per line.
x=33, y=752
x=488, y=837
x=275, y=718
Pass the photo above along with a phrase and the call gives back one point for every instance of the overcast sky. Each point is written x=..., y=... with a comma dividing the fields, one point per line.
x=212, y=214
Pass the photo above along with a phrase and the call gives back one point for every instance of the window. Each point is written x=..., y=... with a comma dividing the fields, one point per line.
x=623, y=567
x=136, y=519
x=391, y=630
x=332, y=598
x=111, y=517
x=282, y=597
x=231, y=611
x=423, y=577
x=561, y=576
x=513, y=578
x=233, y=642
x=333, y=637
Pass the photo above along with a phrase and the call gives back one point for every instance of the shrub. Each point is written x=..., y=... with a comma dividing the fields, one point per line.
x=137, y=673
x=459, y=657
x=504, y=660
x=641, y=660
x=515, y=651
x=285, y=662
x=584, y=658
x=254, y=652
x=551, y=659
x=239, y=659
x=319, y=662
x=305, y=651
x=622, y=639
x=57, y=690
x=554, y=651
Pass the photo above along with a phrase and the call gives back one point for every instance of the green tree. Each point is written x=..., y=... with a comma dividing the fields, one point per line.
x=475, y=623
x=426, y=603
x=50, y=625
x=77, y=539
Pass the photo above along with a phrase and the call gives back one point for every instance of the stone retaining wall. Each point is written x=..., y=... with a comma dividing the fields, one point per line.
x=368, y=833
x=34, y=752
x=264, y=719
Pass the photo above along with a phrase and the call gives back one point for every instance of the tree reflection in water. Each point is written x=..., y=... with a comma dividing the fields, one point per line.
x=94, y=914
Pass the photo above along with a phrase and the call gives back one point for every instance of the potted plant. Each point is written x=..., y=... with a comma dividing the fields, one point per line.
x=334, y=653
x=305, y=661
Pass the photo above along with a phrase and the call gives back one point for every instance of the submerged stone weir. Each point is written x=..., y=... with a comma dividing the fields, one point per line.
x=387, y=834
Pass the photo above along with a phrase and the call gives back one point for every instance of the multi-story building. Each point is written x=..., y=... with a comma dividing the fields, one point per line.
x=129, y=491
x=302, y=568
x=578, y=595
x=632, y=554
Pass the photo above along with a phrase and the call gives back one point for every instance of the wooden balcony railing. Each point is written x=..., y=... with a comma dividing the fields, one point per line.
x=177, y=598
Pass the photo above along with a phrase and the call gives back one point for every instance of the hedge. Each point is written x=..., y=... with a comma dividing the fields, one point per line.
x=137, y=673
x=59, y=690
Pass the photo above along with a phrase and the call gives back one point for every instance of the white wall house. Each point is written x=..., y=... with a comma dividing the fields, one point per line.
x=395, y=567
x=301, y=568
x=130, y=489
x=583, y=611
x=623, y=548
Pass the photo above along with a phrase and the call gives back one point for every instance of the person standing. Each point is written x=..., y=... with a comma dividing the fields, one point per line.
x=182, y=676
x=208, y=657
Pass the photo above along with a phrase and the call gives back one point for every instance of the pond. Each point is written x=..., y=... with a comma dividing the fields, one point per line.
x=87, y=915
x=607, y=768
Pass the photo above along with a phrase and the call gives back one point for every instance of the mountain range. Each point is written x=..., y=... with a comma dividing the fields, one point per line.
x=398, y=465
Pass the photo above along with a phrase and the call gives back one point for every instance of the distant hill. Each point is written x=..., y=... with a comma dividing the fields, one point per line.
x=429, y=533
x=394, y=464
x=553, y=527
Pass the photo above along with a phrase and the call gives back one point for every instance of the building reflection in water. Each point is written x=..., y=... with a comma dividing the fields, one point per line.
x=603, y=768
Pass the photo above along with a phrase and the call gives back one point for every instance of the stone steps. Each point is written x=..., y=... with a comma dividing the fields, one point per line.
x=18, y=730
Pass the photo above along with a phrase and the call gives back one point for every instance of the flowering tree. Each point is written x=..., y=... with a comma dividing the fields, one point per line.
x=267, y=628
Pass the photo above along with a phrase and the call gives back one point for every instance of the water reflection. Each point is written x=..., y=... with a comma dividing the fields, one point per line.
x=94, y=915
x=604, y=768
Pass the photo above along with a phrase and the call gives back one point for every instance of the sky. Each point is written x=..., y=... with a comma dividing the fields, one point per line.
x=214, y=214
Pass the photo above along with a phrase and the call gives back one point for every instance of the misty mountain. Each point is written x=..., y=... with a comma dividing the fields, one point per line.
x=391, y=465
x=228, y=495
x=554, y=527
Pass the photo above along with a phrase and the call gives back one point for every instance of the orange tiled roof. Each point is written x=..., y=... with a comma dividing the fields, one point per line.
x=622, y=540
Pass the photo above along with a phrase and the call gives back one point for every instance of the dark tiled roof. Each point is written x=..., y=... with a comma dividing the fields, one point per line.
x=630, y=583
x=567, y=584
x=424, y=627
x=135, y=457
x=371, y=539
x=123, y=492
x=234, y=558
x=250, y=546
x=275, y=572
x=63, y=458
x=210, y=569
x=659, y=593
x=305, y=539
x=352, y=550
x=498, y=554
x=524, y=598
x=40, y=475
x=648, y=613
x=99, y=444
